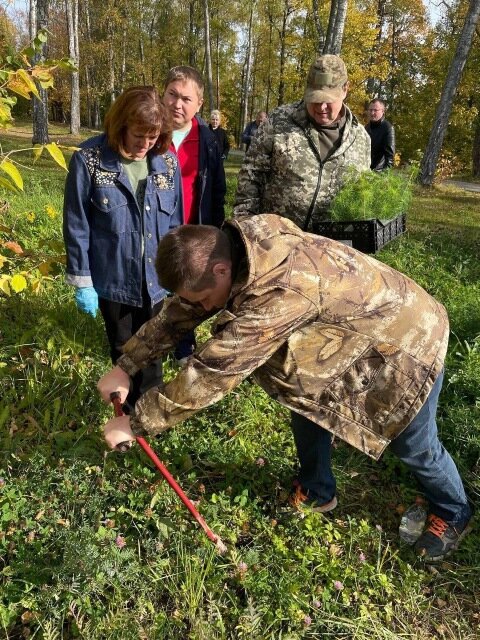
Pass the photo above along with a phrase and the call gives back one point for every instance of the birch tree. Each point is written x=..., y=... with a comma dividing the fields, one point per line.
x=38, y=19
x=71, y=7
x=208, y=55
x=336, y=27
x=439, y=128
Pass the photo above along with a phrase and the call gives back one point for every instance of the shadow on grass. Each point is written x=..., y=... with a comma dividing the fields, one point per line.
x=54, y=356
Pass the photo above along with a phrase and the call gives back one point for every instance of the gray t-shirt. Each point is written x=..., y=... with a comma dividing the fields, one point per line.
x=137, y=172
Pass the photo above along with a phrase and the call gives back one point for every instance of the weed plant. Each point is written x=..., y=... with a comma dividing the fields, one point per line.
x=383, y=195
x=94, y=545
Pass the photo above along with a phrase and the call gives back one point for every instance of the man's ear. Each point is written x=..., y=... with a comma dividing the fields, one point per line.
x=222, y=269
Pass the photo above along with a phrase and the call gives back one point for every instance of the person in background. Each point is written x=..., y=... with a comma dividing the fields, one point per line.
x=382, y=135
x=302, y=154
x=203, y=175
x=122, y=195
x=252, y=127
x=219, y=133
x=352, y=347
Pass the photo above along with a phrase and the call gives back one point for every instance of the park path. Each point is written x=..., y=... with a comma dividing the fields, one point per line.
x=460, y=184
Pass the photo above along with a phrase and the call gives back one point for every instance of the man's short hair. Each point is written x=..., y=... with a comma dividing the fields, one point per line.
x=187, y=254
x=379, y=102
x=185, y=73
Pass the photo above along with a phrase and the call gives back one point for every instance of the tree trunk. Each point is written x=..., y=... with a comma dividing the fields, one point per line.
x=283, y=47
x=142, y=59
x=111, y=65
x=337, y=38
x=476, y=149
x=71, y=7
x=439, y=128
x=208, y=55
x=38, y=19
x=318, y=28
x=192, y=53
x=372, y=88
x=331, y=26
x=246, y=78
x=336, y=26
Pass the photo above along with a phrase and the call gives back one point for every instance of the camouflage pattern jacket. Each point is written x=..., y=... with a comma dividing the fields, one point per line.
x=329, y=332
x=283, y=171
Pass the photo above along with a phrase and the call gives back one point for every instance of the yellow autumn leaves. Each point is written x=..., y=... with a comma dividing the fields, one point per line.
x=31, y=278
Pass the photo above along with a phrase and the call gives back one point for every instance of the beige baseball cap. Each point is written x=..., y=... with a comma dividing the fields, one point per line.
x=326, y=79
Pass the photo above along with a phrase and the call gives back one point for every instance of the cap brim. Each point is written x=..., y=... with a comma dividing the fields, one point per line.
x=324, y=95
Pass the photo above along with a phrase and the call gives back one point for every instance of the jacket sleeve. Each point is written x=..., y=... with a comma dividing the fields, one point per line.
x=177, y=218
x=242, y=343
x=389, y=152
x=219, y=189
x=159, y=335
x=247, y=134
x=255, y=171
x=226, y=145
x=76, y=222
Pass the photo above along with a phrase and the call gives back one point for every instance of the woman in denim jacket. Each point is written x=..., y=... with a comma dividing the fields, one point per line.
x=122, y=195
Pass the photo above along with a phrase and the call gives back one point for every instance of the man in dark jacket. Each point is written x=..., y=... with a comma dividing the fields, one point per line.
x=203, y=175
x=382, y=135
x=252, y=127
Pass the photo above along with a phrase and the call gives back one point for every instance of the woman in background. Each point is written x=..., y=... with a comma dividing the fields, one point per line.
x=219, y=133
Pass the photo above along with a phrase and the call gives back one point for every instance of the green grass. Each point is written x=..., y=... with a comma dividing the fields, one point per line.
x=94, y=545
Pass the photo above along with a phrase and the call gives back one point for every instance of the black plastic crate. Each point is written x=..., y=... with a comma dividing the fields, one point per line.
x=368, y=236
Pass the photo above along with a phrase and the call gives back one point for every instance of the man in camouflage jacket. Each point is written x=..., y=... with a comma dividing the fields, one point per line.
x=351, y=346
x=302, y=154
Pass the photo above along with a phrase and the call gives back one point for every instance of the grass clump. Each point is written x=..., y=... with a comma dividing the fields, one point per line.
x=370, y=194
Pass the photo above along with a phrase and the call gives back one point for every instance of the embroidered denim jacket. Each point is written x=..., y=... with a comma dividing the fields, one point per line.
x=110, y=243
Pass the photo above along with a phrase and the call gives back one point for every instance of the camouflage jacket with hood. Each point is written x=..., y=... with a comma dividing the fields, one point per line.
x=327, y=331
x=283, y=171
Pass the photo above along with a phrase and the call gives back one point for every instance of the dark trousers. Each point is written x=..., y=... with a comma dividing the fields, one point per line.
x=186, y=346
x=121, y=322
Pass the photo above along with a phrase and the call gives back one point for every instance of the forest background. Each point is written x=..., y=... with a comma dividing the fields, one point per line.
x=255, y=55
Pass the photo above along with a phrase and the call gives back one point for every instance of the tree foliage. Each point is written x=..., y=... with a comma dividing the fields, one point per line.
x=260, y=53
x=19, y=268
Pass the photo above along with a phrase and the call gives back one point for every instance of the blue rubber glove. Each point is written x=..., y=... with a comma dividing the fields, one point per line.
x=87, y=300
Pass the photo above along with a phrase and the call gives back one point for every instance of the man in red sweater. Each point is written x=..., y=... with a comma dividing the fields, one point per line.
x=203, y=175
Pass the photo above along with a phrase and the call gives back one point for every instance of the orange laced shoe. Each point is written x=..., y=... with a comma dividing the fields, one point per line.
x=439, y=538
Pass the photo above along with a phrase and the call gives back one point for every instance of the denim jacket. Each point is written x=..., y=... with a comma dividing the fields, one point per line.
x=110, y=243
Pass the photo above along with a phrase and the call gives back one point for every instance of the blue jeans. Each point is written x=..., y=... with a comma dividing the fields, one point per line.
x=417, y=446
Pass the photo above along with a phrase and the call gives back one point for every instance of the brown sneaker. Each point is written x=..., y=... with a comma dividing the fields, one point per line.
x=300, y=499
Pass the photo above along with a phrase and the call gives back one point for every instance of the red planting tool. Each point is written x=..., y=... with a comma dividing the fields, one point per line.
x=124, y=446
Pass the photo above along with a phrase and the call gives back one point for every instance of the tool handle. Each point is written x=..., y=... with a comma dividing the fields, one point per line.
x=123, y=447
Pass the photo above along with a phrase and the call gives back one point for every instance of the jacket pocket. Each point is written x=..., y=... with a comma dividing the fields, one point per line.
x=372, y=386
x=109, y=211
x=166, y=201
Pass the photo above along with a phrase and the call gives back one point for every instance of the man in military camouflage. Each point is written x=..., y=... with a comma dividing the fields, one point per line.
x=354, y=348
x=300, y=157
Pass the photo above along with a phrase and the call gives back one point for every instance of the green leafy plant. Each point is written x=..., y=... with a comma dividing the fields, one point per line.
x=370, y=194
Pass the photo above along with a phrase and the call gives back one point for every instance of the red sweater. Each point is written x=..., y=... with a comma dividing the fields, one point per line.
x=188, y=156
